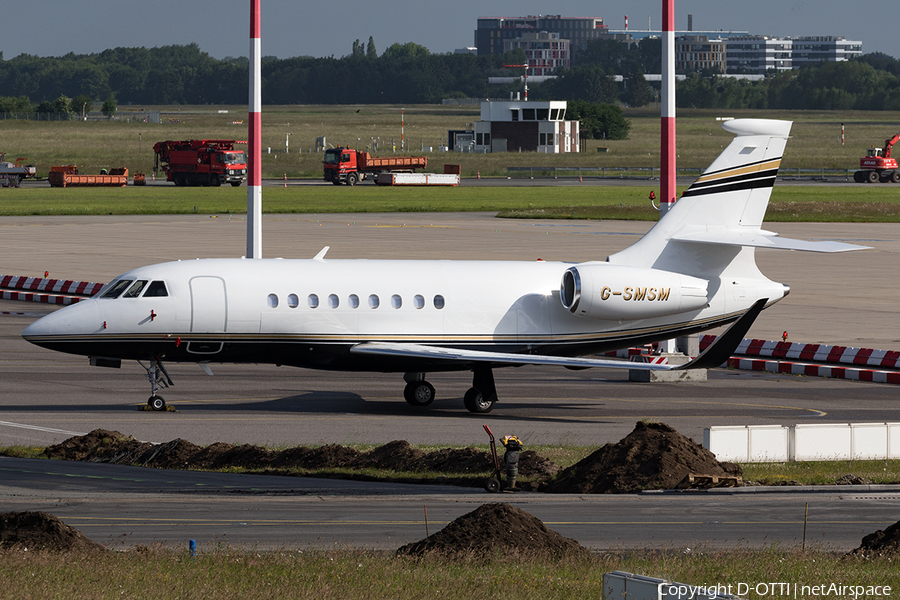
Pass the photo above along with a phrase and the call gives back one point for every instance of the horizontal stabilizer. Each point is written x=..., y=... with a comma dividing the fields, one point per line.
x=760, y=239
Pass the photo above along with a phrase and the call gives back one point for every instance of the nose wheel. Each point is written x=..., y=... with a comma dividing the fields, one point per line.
x=159, y=378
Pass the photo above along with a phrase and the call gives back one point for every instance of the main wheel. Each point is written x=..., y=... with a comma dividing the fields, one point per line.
x=872, y=177
x=895, y=177
x=859, y=177
x=352, y=179
x=475, y=402
x=419, y=393
x=156, y=403
x=214, y=180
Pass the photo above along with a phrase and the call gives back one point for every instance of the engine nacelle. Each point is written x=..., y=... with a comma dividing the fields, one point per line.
x=613, y=292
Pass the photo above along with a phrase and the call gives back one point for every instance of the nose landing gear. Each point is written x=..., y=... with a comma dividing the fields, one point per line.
x=159, y=378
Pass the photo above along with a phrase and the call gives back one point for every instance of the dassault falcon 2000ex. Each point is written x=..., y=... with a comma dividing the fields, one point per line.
x=695, y=269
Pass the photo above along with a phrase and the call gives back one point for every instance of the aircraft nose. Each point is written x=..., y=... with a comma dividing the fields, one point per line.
x=77, y=319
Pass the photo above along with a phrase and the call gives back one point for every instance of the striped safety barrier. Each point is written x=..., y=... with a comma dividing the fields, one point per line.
x=46, y=290
x=841, y=355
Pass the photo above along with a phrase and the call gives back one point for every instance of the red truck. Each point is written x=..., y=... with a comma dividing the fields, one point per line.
x=346, y=165
x=201, y=162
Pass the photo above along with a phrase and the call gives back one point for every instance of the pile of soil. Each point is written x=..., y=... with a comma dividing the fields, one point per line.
x=653, y=456
x=851, y=479
x=101, y=445
x=496, y=528
x=41, y=531
x=881, y=542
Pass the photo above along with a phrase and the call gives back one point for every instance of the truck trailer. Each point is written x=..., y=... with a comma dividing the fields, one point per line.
x=346, y=165
x=12, y=173
x=201, y=162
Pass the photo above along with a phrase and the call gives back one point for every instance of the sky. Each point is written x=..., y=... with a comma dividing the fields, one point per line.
x=296, y=28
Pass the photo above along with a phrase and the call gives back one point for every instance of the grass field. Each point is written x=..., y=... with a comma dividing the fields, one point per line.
x=246, y=574
x=128, y=142
x=880, y=203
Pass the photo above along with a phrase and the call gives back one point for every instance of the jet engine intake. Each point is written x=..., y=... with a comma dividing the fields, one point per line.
x=614, y=292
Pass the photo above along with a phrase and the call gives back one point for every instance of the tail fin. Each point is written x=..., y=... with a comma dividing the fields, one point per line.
x=717, y=221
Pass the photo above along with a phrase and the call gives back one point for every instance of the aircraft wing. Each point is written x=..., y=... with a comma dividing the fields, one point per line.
x=508, y=358
x=716, y=354
x=763, y=239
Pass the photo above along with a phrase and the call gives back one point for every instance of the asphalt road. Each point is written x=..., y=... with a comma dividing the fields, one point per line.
x=124, y=506
x=846, y=299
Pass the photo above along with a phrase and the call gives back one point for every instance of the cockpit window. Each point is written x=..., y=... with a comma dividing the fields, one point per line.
x=116, y=288
x=156, y=289
x=135, y=290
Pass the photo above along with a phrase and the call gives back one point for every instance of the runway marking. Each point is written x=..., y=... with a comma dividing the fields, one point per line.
x=39, y=428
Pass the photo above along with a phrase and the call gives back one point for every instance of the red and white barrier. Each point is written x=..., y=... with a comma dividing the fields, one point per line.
x=841, y=355
x=46, y=290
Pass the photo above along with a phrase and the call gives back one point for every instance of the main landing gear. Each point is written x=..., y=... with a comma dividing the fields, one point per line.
x=480, y=398
x=158, y=377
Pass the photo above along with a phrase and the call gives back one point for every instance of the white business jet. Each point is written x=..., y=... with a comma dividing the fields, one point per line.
x=694, y=270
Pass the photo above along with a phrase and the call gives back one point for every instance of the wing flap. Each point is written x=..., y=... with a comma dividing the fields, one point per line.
x=483, y=356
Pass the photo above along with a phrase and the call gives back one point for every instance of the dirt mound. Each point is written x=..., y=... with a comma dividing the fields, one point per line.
x=653, y=456
x=885, y=541
x=111, y=446
x=496, y=528
x=851, y=479
x=41, y=531
x=397, y=455
x=99, y=445
x=458, y=460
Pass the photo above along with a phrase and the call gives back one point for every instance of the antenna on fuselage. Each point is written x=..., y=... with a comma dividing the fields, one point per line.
x=254, y=150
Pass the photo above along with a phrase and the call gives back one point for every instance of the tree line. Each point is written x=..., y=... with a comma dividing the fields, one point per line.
x=411, y=74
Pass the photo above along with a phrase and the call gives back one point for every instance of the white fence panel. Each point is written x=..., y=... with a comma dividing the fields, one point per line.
x=805, y=442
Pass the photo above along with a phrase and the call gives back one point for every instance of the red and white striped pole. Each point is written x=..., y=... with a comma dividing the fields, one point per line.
x=667, y=128
x=667, y=191
x=254, y=153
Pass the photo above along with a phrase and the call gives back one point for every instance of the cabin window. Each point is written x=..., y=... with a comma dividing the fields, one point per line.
x=293, y=301
x=333, y=301
x=439, y=302
x=396, y=301
x=374, y=302
x=354, y=301
x=419, y=301
x=156, y=289
x=116, y=288
x=313, y=301
x=272, y=300
x=135, y=290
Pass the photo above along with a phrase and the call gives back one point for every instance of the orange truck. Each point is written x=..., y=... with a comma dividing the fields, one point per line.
x=346, y=165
